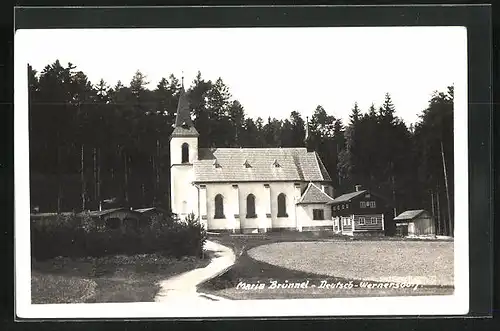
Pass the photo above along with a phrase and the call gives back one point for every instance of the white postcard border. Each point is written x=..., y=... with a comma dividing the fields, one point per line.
x=456, y=304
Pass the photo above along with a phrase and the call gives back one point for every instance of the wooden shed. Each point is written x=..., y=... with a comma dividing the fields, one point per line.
x=115, y=218
x=415, y=222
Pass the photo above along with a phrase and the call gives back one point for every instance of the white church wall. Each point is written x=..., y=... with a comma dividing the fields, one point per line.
x=176, y=149
x=184, y=195
x=305, y=217
x=230, y=205
x=261, y=206
x=288, y=189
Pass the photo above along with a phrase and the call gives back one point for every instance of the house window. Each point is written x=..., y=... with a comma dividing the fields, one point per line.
x=282, y=205
x=342, y=206
x=372, y=204
x=361, y=221
x=219, y=206
x=374, y=220
x=185, y=153
x=362, y=204
x=318, y=214
x=251, y=206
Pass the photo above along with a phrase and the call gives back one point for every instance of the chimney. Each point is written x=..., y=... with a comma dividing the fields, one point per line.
x=358, y=188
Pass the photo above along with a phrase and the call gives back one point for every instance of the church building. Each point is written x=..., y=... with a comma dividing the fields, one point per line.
x=246, y=190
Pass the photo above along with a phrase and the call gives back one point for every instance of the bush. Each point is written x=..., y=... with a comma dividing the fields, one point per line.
x=79, y=235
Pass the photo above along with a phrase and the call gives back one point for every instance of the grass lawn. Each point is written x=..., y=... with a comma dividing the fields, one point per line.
x=109, y=279
x=299, y=257
x=426, y=263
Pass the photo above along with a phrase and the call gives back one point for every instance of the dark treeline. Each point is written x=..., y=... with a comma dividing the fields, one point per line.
x=91, y=142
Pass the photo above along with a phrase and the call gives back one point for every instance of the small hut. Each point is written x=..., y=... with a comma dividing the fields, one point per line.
x=415, y=223
x=115, y=218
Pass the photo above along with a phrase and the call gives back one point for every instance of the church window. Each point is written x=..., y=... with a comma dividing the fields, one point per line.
x=276, y=164
x=219, y=206
x=282, y=205
x=185, y=153
x=247, y=164
x=251, y=206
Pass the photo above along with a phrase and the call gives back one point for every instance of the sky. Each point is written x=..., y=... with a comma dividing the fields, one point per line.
x=273, y=71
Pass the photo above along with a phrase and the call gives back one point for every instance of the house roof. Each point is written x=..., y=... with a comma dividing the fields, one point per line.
x=145, y=210
x=97, y=213
x=42, y=215
x=409, y=215
x=314, y=194
x=346, y=197
x=259, y=164
x=183, y=124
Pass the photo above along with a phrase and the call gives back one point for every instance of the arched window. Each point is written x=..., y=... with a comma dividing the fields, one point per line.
x=282, y=205
x=185, y=153
x=219, y=206
x=251, y=206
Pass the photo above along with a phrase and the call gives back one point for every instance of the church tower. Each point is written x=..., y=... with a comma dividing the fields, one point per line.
x=183, y=153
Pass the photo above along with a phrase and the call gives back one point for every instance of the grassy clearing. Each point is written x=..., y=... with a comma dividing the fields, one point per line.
x=110, y=279
x=426, y=263
x=251, y=271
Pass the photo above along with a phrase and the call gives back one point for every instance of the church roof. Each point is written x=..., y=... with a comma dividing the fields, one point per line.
x=259, y=164
x=314, y=194
x=183, y=124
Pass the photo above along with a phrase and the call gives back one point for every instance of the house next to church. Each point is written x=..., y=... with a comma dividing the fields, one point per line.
x=359, y=213
x=246, y=189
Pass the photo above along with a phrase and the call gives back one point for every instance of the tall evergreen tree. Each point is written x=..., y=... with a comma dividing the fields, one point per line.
x=355, y=114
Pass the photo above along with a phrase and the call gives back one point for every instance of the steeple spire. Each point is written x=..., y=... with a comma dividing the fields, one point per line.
x=182, y=79
x=183, y=124
x=307, y=142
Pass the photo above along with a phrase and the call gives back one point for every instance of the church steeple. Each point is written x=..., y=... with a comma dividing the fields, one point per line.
x=307, y=138
x=184, y=126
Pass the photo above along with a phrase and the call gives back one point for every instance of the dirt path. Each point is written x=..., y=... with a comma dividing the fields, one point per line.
x=183, y=287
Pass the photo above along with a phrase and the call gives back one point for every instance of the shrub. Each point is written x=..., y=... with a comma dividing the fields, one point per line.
x=57, y=236
x=80, y=235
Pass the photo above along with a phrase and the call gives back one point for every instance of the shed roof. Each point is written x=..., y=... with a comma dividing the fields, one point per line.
x=145, y=210
x=259, y=164
x=42, y=215
x=314, y=194
x=409, y=215
x=98, y=213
